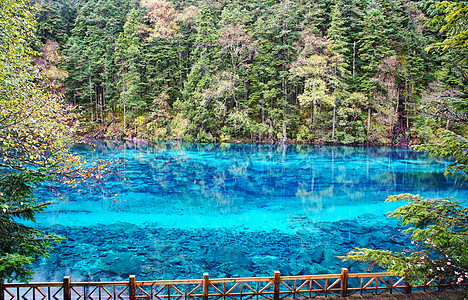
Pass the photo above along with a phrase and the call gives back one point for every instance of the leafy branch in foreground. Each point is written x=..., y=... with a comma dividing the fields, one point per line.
x=36, y=131
x=451, y=16
x=20, y=245
x=439, y=232
x=452, y=146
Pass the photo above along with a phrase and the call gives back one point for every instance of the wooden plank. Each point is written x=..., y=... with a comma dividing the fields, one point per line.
x=288, y=287
x=344, y=282
x=311, y=277
x=391, y=284
x=2, y=290
x=241, y=294
x=131, y=287
x=73, y=289
x=232, y=288
x=98, y=284
x=249, y=287
x=105, y=290
x=295, y=285
x=270, y=290
x=121, y=292
x=67, y=288
x=206, y=284
x=32, y=284
x=326, y=287
x=171, y=282
x=93, y=290
x=366, y=275
x=159, y=291
x=139, y=288
x=248, y=279
x=56, y=293
x=194, y=289
x=407, y=289
x=276, y=285
x=265, y=287
x=179, y=291
x=41, y=292
x=216, y=288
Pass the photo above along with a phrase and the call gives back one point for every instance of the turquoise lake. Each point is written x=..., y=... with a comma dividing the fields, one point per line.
x=234, y=210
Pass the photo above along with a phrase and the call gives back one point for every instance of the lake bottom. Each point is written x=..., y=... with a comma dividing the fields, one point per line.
x=115, y=251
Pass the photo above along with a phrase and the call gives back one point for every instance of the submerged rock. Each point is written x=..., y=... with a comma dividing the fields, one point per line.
x=316, y=255
x=233, y=255
x=113, y=252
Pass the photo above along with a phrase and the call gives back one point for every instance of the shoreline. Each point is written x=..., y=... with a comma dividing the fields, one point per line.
x=142, y=141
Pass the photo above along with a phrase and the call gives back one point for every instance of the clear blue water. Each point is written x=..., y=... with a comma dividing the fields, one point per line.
x=235, y=210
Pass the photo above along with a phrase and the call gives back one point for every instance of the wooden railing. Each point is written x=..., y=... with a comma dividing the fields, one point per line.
x=275, y=288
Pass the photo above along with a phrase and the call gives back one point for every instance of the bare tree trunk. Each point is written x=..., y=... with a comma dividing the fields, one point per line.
x=368, y=122
x=334, y=122
x=284, y=126
x=104, y=93
x=270, y=131
x=96, y=93
x=311, y=114
x=284, y=109
x=134, y=113
x=91, y=99
x=334, y=106
x=406, y=100
x=354, y=58
x=180, y=70
x=124, y=103
x=263, y=115
x=90, y=91
x=246, y=93
x=104, y=98
x=263, y=108
x=102, y=113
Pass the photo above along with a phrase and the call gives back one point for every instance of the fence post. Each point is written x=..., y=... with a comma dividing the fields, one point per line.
x=407, y=289
x=66, y=288
x=131, y=287
x=2, y=290
x=276, y=285
x=206, y=284
x=344, y=282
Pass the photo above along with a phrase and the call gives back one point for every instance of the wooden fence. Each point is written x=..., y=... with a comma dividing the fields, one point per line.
x=275, y=288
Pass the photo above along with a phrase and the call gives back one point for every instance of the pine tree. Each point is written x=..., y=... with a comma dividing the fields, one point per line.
x=338, y=55
x=127, y=56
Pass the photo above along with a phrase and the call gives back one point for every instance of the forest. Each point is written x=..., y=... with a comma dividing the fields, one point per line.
x=368, y=72
x=343, y=72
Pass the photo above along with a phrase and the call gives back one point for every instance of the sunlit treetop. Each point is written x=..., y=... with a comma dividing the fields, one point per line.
x=452, y=16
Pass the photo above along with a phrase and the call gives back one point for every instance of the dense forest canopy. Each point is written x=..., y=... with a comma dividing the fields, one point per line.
x=340, y=71
x=351, y=72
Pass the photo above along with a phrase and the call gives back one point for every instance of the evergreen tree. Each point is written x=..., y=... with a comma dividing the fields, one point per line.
x=127, y=55
x=221, y=65
x=36, y=130
x=437, y=227
x=338, y=54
